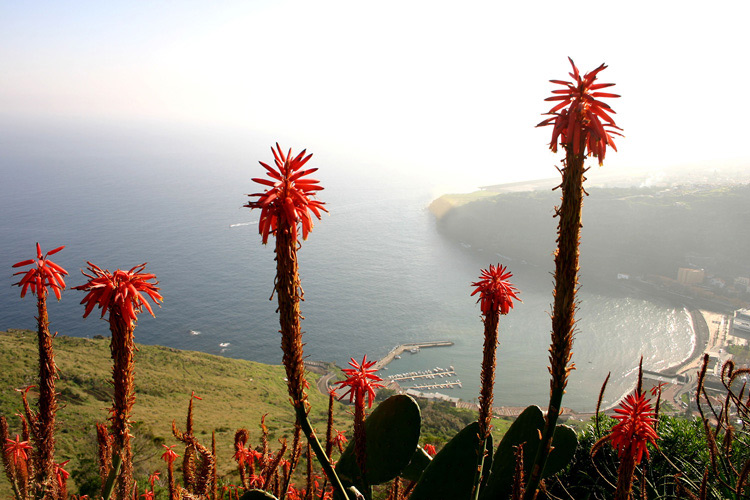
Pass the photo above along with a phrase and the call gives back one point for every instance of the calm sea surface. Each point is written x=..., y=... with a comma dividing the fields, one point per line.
x=375, y=271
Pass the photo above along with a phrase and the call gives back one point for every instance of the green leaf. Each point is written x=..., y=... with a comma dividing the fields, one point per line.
x=527, y=430
x=451, y=473
x=392, y=431
x=564, y=444
x=419, y=462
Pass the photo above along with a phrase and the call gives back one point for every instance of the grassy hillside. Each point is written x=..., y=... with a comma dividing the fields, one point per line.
x=235, y=394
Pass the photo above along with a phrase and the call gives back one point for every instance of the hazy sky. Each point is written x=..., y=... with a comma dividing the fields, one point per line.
x=452, y=88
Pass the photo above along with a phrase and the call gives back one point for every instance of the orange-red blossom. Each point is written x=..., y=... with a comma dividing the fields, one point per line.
x=45, y=274
x=578, y=117
x=119, y=291
x=17, y=449
x=635, y=428
x=287, y=198
x=169, y=455
x=361, y=381
x=496, y=293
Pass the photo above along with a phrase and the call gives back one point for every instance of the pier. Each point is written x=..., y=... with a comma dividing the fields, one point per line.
x=440, y=385
x=426, y=379
x=400, y=349
x=427, y=374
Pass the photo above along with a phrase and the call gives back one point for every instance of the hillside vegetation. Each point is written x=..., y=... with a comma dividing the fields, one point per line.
x=628, y=230
x=235, y=394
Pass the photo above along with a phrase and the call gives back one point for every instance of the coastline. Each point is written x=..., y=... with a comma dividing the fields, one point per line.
x=703, y=340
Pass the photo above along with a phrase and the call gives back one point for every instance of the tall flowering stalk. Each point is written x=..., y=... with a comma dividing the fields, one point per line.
x=119, y=293
x=286, y=202
x=583, y=126
x=496, y=295
x=361, y=382
x=42, y=276
x=283, y=205
x=169, y=456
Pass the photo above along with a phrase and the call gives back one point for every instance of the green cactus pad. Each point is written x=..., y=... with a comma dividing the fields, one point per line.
x=451, y=473
x=417, y=465
x=257, y=495
x=392, y=436
x=527, y=430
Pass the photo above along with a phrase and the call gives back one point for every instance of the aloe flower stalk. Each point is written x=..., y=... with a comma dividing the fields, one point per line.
x=583, y=126
x=329, y=424
x=496, y=295
x=361, y=382
x=119, y=293
x=286, y=202
x=169, y=456
x=104, y=455
x=43, y=275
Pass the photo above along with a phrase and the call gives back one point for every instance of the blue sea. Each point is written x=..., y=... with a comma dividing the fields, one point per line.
x=376, y=272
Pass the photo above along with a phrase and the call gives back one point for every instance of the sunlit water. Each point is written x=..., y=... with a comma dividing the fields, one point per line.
x=376, y=273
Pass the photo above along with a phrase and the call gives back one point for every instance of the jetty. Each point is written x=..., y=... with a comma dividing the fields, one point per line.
x=412, y=347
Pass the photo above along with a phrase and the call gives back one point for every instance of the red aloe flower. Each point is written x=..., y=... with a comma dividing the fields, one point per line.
x=636, y=428
x=577, y=118
x=169, y=455
x=361, y=381
x=657, y=388
x=256, y=481
x=45, y=274
x=340, y=440
x=61, y=474
x=495, y=292
x=152, y=478
x=287, y=199
x=119, y=292
x=430, y=449
x=17, y=449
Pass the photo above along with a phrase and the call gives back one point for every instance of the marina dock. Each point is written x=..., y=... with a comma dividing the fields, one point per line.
x=427, y=379
x=412, y=347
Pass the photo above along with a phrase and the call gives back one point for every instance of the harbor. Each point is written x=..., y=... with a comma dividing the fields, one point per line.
x=434, y=378
x=412, y=348
x=426, y=376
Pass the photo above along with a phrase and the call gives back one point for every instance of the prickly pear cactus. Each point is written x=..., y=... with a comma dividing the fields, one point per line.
x=526, y=431
x=392, y=430
x=451, y=472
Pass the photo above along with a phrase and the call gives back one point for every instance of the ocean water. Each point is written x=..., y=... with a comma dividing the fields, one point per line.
x=376, y=273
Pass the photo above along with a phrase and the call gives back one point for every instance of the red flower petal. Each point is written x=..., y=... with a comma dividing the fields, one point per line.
x=287, y=201
x=578, y=104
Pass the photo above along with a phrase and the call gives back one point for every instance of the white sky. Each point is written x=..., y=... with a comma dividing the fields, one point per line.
x=448, y=88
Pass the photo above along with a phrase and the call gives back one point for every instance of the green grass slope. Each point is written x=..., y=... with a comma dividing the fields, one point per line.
x=236, y=393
